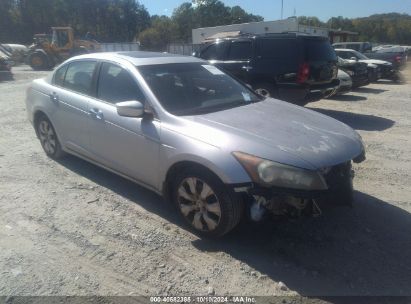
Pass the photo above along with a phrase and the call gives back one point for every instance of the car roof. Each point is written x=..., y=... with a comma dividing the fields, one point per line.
x=350, y=43
x=284, y=35
x=140, y=58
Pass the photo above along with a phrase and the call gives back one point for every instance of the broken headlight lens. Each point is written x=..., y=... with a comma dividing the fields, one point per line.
x=270, y=173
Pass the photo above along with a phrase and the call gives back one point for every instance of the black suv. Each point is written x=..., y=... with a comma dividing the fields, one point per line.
x=294, y=67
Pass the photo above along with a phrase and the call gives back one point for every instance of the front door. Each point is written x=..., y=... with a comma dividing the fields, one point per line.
x=125, y=144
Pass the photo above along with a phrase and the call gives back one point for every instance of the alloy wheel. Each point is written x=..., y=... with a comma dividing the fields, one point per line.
x=47, y=137
x=199, y=204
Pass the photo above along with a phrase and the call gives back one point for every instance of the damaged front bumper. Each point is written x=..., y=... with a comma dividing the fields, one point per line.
x=263, y=201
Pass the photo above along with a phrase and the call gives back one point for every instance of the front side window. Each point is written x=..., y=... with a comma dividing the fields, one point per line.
x=195, y=88
x=79, y=76
x=115, y=84
x=241, y=50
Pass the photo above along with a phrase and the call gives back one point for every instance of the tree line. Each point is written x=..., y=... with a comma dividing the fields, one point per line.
x=392, y=28
x=129, y=20
x=109, y=20
x=113, y=20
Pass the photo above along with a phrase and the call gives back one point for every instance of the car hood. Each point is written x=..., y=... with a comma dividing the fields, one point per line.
x=279, y=131
x=375, y=61
x=343, y=75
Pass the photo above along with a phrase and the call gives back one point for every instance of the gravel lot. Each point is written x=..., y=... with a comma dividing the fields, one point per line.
x=71, y=228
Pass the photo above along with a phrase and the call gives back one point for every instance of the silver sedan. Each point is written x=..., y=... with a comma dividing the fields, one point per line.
x=185, y=129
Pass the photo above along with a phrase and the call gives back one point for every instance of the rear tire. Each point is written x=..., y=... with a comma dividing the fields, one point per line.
x=205, y=203
x=48, y=138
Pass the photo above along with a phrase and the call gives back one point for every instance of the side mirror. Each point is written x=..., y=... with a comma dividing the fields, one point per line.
x=130, y=108
x=354, y=58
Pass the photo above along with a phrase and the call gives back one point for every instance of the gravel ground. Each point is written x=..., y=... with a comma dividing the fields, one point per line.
x=71, y=228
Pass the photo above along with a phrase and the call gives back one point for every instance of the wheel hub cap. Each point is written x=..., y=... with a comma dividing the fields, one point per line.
x=199, y=204
x=47, y=137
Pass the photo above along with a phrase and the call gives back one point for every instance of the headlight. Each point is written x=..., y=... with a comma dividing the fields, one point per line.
x=270, y=173
x=349, y=72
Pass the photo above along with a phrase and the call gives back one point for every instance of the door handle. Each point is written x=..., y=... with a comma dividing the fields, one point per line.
x=247, y=68
x=96, y=113
x=54, y=97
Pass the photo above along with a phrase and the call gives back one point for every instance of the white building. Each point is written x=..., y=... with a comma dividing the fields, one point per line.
x=264, y=27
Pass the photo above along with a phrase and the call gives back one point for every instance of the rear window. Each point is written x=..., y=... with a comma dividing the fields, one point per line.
x=79, y=76
x=277, y=48
x=214, y=52
x=240, y=50
x=355, y=46
x=319, y=50
x=59, y=75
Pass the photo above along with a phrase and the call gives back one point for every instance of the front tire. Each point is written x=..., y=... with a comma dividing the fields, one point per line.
x=38, y=62
x=48, y=138
x=206, y=204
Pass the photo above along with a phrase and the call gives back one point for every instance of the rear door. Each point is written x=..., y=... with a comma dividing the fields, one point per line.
x=278, y=59
x=70, y=95
x=321, y=58
x=126, y=144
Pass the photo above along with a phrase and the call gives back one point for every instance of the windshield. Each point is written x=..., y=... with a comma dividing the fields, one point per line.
x=195, y=88
x=359, y=55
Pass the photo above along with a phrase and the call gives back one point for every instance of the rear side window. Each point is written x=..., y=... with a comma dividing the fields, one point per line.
x=277, y=48
x=240, y=50
x=59, y=75
x=319, y=50
x=79, y=76
x=115, y=84
x=354, y=46
x=344, y=55
x=214, y=52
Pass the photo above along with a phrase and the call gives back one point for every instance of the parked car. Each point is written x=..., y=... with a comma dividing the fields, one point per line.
x=5, y=66
x=358, y=71
x=362, y=47
x=386, y=68
x=186, y=129
x=394, y=54
x=18, y=52
x=345, y=83
x=293, y=67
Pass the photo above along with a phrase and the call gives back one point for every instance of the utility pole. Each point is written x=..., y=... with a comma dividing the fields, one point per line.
x=282, y=8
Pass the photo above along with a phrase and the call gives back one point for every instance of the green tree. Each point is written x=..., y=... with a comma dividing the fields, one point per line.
x=183, y=16
x=159, y=35
x=311, y=21
x=238, y=15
